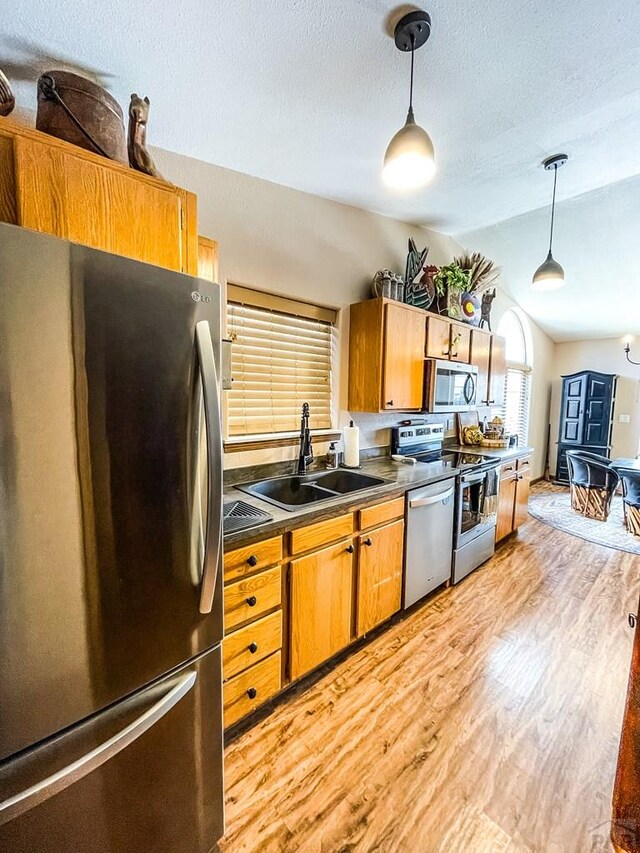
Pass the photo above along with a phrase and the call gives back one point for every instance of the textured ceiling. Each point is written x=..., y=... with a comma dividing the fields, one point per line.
x=308, y=93
x=596, y=241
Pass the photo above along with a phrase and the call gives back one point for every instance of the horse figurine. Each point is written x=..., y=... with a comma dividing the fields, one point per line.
x=139, y=156
x=485, y=310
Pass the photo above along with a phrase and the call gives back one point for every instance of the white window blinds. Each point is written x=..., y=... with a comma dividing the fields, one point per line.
x=515, y=412
x=279, y=361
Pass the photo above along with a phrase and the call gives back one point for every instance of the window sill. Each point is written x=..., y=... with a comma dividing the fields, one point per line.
x=239, y=443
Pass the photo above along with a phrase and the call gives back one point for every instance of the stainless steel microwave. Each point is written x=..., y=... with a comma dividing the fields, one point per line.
x=449, y=386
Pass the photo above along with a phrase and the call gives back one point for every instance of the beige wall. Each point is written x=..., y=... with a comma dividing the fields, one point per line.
x=607, y=356
x=291, y=243
x=542, y=362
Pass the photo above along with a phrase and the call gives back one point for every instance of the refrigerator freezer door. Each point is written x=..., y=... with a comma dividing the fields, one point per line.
x=143, y=775
x=110, y=480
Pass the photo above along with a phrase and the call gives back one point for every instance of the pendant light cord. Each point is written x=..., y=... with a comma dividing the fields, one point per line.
x=553, y=205
x=413, y=47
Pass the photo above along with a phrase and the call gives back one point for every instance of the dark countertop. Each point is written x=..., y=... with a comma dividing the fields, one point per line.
x=402, y=476
x=504, y=454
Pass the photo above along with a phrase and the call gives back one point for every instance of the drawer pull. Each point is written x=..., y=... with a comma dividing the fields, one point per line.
x=252, y=560
x=632, y=620
x=253, y=648
x=349, y=549
x=252, y=693
x=368, y=542
x=252, y=601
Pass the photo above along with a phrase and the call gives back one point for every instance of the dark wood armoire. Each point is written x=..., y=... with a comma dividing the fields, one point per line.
x=586, y=416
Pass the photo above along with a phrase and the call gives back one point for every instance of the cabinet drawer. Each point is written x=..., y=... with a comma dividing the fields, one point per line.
x=524, y=464
x=370, y=516
x=251, y=688
x=249, y=645
x=508, y=469
x=322, y=533
x=249, y=598
x=251, y=558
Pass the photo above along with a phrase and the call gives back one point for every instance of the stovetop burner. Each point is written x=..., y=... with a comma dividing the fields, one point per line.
x=451, y=459
x=424, y=442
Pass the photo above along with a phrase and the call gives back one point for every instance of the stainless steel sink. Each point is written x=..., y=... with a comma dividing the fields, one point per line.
x=297, y=490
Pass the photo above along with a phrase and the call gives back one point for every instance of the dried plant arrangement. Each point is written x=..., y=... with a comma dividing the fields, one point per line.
x=483, y=273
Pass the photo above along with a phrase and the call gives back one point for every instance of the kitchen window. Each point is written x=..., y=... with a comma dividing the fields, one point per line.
x=282, y=355
x=517, y=392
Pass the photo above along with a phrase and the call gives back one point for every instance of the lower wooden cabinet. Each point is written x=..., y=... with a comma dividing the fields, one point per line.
x=320, y=606
x=251, y=597
x=380, y=554
x=251, y=657
x=251, y=688
x=506, y=503
x=513, y=499
x=249, y=645
x=521, y=508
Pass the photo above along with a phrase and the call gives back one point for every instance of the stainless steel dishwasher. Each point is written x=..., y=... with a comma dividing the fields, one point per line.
x=429, y=539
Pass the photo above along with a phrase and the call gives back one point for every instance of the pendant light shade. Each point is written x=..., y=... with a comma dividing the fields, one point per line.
x=409, y=162
x=550, y=275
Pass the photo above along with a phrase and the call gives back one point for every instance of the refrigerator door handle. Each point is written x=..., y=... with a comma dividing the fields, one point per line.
x=213, y=426
x=41, y=791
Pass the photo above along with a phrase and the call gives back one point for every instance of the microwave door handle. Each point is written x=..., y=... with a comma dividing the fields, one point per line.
x=468, y=394
x=213, y=427
x=34, y=795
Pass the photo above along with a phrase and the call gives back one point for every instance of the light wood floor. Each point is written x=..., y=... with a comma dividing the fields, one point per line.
x=486, y=721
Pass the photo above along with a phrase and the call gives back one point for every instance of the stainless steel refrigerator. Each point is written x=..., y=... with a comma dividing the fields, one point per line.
x=110, y=553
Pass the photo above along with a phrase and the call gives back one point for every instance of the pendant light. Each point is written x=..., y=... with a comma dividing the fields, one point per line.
x=409, y=162
x=550, y=275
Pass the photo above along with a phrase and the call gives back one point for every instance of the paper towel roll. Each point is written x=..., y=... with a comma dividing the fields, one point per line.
x=352, y=446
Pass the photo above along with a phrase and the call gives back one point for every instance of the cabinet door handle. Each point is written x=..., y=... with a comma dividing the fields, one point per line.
x=253, y=648
x=252, y=693
x=491, y=402
x=633, y=620
x=389, y=403
x=252, y=601
x=349, y=549
x=367, y=542
x=253, y=560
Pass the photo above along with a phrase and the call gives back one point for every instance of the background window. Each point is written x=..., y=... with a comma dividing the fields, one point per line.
x=517, y=396
x=282, y=356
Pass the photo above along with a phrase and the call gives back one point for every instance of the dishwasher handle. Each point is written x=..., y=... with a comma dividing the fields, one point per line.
x=432, y=499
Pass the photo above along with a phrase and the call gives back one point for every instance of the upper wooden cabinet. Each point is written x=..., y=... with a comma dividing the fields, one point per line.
x=497, y=371
x=480, y=356
x=207, y=259
x=386, y=356
x=438, y=337
x=448, y=339
x=487, y=353
x=52, y=186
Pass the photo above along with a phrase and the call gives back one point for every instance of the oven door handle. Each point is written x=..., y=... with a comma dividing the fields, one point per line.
x=473, y=478
x=432, y=499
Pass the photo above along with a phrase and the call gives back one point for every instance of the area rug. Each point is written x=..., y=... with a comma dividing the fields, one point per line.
x=552, y=505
